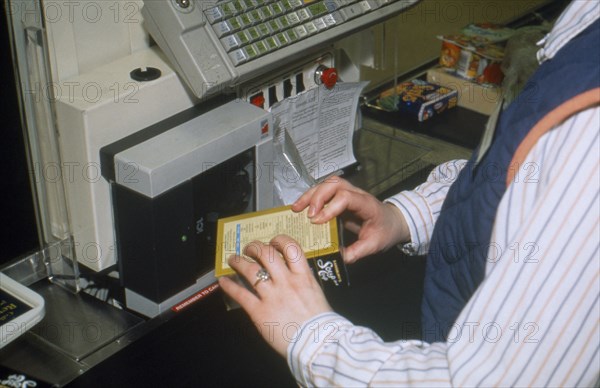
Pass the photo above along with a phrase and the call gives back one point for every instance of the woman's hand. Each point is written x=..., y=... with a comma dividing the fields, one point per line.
x=278, y=306
x=378, y=225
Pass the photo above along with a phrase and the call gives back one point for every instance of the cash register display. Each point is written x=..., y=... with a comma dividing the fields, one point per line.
x=217, y=44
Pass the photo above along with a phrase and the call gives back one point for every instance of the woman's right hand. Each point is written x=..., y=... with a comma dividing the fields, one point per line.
x=379, y=225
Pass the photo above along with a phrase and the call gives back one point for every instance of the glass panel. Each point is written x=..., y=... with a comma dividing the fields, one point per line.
x=37, y=98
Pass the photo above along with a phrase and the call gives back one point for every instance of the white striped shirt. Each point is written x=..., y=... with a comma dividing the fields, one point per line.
x=535, y=318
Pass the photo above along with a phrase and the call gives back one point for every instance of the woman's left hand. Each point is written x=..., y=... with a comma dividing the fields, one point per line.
x=291, y=295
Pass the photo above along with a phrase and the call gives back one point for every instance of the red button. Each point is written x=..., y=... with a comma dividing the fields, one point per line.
x=258, y=100
x=329, y=77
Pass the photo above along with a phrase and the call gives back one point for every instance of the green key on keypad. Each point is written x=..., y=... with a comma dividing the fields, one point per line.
x=277, y=8
x=243, y=37
x=287, y=5
x=237, y=5
x=275, y=26
x=245, y=19
x=256, y=15
x=263, y=29
x=292, y=34
x=261, y=47
x=250, y=51
x=228, y=9
x=253, y=32
x=283, y=40
x=284, y=21
x=271, y=42
x=235, y=24
x=266, y=11
x=317, y=9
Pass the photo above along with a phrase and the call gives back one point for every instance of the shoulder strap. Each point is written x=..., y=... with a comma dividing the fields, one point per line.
x=553, y=118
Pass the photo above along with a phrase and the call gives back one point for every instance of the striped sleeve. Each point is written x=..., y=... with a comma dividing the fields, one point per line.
x=578, y=15
x=535, y=318
x=330, y=351
x=421, y=206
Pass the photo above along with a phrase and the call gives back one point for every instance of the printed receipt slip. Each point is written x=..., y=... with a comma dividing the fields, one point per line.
x=321, y=243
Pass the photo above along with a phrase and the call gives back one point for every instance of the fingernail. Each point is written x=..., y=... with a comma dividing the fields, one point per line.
x=311, y=211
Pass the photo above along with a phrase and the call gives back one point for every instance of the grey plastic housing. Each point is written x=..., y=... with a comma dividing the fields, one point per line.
x=196, y=53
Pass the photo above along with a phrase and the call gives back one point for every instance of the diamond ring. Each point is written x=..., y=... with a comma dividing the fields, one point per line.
x=262, y=276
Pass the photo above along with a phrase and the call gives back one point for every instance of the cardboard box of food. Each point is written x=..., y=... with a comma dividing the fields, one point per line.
x=418, y=98
x=471, y=95
x=321, y=242
x=476, y=52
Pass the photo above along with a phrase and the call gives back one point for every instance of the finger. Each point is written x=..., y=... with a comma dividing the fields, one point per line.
x=246, y=268
x=269, y=258
x=304, y=200
x=292, y=253
x=239, y=293
x=316, y=197
x=342, y=200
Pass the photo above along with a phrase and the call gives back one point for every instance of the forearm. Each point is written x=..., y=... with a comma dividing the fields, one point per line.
x=330, y=351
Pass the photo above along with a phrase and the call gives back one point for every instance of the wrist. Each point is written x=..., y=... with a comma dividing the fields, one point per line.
x=398, y=224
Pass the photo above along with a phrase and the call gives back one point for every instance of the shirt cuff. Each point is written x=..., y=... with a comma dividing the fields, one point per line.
x=314, y=335
x=417, y=214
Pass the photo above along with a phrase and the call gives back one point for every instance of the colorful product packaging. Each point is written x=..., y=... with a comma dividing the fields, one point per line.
x=418, y=98
x=476, y=53
x=481, y=98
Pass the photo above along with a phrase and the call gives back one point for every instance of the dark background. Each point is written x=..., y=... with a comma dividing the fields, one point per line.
x=18, y=234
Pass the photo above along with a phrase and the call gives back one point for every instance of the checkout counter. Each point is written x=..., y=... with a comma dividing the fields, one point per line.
x=204, y=344
x=84, y=341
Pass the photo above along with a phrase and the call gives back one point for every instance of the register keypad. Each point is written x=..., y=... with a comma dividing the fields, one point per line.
x=249, y=29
